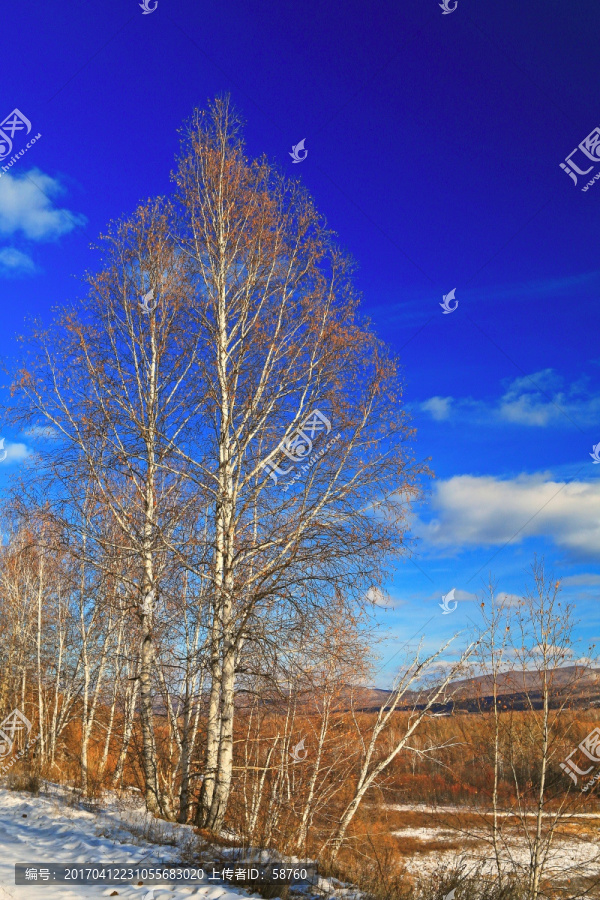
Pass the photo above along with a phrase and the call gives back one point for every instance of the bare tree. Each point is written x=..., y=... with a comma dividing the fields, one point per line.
x=528, y=689
x=542, y=645
x=240, y=427
x=374, y=760
x=112, y=381
x=286, y=363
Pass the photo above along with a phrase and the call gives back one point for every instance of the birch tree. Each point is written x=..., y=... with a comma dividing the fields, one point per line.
x=305, y=457
x=111, y=379
x=227, y=413
x=375, y=759
x=541, y=644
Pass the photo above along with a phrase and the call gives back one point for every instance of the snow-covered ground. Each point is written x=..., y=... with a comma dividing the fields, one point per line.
x=53, y=827
x=568, y=857
x=46, y=829
x=474, y=810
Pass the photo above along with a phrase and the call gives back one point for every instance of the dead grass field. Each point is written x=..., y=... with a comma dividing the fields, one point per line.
x=424, y=838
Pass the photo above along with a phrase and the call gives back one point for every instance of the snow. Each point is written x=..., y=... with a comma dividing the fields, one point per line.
x=475, y=810
x=47, y=829
x=54, y=828
x=568, y=856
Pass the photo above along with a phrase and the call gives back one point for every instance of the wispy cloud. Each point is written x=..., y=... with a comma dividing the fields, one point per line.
x=469, y=511
x=418, y=305
x=540, y=288
x=14, y=263
x=505, y=599
x=463, y=596
x=585, y=578
x=15, y=452
x=439, y=408
x=27, y=207
x=539, y=400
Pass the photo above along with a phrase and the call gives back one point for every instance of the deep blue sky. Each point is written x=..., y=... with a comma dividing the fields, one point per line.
x=434, y=144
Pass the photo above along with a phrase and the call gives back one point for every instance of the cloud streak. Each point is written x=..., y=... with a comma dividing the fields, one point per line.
x=27, y=207
x=540, y=400
x=485, y=511
x=15, y=452
x=15, y=263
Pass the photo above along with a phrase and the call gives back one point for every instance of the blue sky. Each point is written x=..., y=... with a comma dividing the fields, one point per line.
x=434, y=143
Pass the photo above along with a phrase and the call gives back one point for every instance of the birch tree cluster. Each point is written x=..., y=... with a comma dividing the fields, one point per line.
x=221, y=473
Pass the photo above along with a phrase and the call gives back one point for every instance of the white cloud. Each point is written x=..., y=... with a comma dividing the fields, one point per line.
x=538, y=400
x=506, y=599
x=14, y=452
x=14, y=263
x=585, y=578
x=439, y=407
x=586, y=661
x=27, y=206
x=376, y=596
x=555, y=649
x=484, y=510
x=382, y=599
x=464, y=596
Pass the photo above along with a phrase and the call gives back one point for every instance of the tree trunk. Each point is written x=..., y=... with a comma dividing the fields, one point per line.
x=149, y=756
x=190, y=727
x=213, y=730
x=130, y=702
x=225, y=760
x=42, y=734
x=113, y=705
x=308, y=812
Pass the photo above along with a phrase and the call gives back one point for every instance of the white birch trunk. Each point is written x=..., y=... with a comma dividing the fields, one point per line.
x=131, y=695
x=40, y=685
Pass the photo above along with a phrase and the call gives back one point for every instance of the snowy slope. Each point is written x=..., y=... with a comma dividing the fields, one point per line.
x=46, y=829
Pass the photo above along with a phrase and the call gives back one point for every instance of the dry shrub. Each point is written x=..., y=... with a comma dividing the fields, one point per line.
x=380, y=878
x=24, y=781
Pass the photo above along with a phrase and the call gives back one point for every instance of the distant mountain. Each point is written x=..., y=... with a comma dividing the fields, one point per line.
x=587, y=680
x=516, y=689
x=578, y=686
